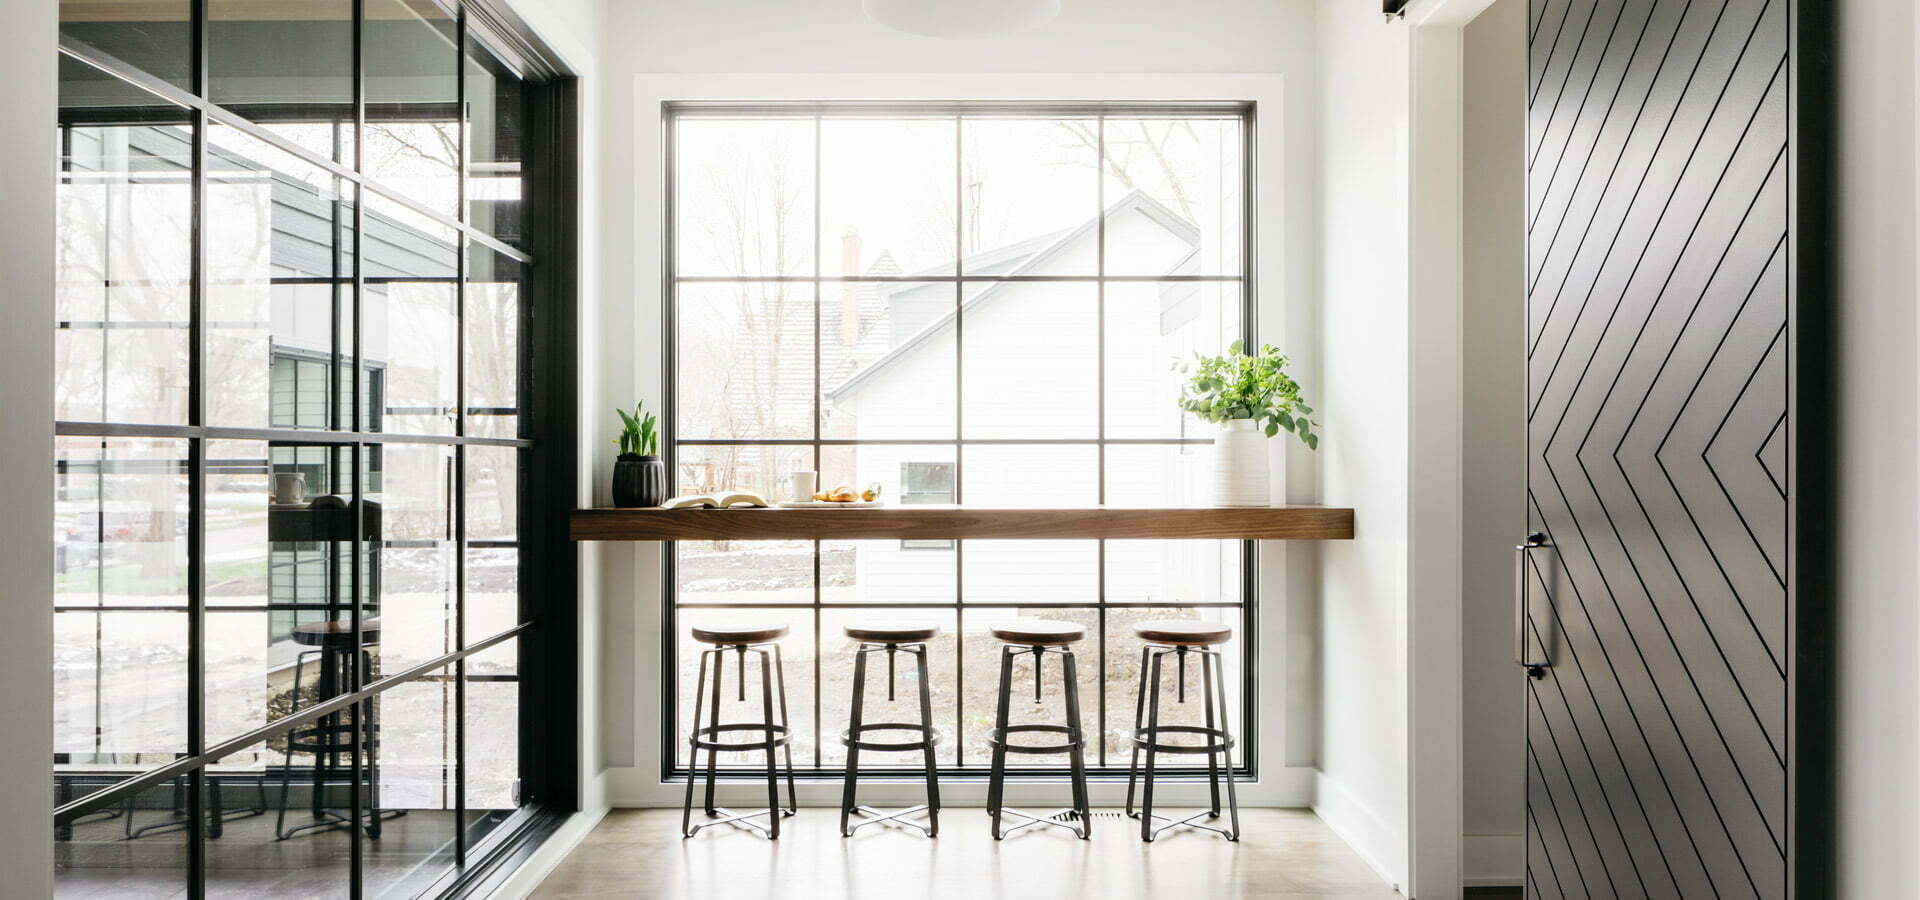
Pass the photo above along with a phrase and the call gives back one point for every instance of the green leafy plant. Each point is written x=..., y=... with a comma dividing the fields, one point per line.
x=638, y=432
x=1238, y=386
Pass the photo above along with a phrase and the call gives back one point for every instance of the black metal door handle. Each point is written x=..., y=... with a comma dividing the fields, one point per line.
x=1521, y=553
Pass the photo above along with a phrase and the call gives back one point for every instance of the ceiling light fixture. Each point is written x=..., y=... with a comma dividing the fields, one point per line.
x=945, y=18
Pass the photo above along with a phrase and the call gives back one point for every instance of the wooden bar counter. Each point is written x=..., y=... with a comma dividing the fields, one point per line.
x=929, y=522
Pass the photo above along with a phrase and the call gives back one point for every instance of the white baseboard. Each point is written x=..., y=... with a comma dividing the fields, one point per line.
x=1493, y=860
x=544, y=860
x=636, y=789
x=1378, y=843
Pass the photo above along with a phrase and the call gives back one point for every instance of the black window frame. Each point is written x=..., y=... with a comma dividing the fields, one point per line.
x=1106, y=762
x=546, y=626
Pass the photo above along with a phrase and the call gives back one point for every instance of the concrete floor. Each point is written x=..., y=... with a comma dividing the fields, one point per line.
x=1283, y=853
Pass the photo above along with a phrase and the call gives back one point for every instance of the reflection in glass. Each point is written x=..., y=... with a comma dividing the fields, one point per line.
x=123, y=254
x=496, y=152
x=287, y=66
x=493, y=547
x=154, y=36
x=492, y=737
x=413, y=116
x=1174, y=192
x=747, y=207
x=747, y=363
x=261, y=799
x=238, y=642
x=413, y=591
x=493, y=317
x=90, y=855
x=413, y=778
x=886, y=360
x=1030, y=361
x=409, y=328
x=279, y=265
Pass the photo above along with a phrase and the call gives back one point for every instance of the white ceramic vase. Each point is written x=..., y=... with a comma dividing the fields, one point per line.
x=1240, y=465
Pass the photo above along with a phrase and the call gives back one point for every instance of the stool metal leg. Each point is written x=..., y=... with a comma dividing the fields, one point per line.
x=693, y=747
x=713, y=719
x=1218, y=741
x=1226, y=739
x=780, y=672
x=854, y=718
x=1153, y=729
x=926, y=736
x=997, y=775
x=1077, y=758
x=773, y=757
x=1139, y=721
x=1213, y=766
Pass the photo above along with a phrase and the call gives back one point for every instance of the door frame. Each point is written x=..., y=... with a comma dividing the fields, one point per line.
x=1435, y=216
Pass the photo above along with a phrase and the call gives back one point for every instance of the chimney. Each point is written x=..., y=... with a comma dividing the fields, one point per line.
x=850, y=291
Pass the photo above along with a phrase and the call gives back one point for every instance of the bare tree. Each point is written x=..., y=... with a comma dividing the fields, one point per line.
x=1140, y=155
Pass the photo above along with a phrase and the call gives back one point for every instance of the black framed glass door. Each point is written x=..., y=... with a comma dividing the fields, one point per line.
x=296, y=357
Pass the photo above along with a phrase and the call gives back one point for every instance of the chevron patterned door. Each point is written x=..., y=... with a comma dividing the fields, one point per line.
x=1660, y=211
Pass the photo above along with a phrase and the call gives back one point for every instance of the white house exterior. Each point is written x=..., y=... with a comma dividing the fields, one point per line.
x=1031, y=371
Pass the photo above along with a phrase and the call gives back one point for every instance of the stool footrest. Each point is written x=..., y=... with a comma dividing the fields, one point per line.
x=847, y=739
x=1172, y=822
x=1047, y=819
x=876, y=817
x=1143, y=738
x=781, y=735
x=740, y=820
x=998, y=738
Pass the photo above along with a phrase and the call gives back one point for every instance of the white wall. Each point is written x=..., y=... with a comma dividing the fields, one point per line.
x=1879, y=522
x=835, y=36
x=1494, y=439
x=27, y=94
x=852, y=57
x=1363, y=120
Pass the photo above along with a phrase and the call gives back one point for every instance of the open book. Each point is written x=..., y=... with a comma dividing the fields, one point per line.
x=715, y=500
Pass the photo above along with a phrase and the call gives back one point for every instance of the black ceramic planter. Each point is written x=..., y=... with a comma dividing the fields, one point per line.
x=639, y=480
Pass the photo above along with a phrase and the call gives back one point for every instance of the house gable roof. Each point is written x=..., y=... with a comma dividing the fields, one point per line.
x=1135, y=200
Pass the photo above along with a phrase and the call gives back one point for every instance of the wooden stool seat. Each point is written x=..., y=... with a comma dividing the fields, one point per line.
x=1183, y=632
x=336, y=634
x=893, y=633
x=730, y=635
x=1039, y=632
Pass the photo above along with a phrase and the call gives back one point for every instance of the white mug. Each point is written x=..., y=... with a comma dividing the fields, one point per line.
x=801, y=485
x=290, y=487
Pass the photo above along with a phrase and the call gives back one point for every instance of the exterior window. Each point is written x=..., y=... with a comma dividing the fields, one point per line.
x=958, y=303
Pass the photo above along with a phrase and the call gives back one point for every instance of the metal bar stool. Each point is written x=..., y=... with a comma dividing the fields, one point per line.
x=1181, y=638
x=890, y=639
x=762, y=640
x=331, y=737
x=1041, y=638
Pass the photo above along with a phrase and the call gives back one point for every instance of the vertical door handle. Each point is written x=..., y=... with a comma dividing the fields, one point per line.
x=1521, y=554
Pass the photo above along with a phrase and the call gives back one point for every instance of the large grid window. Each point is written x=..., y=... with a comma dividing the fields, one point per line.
x=290, y=357
x=955, y=304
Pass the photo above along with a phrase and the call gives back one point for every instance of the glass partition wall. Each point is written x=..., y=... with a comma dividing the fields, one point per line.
x=293, y=431
x=952, y=303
